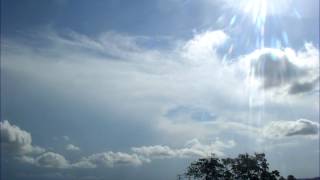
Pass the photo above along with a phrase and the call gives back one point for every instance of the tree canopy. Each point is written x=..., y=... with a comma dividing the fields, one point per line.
x=243, y=167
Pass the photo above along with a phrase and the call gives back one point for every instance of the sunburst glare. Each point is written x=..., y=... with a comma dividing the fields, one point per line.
x=257, y=12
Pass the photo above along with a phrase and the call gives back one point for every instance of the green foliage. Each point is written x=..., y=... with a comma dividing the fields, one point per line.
x=245, y=166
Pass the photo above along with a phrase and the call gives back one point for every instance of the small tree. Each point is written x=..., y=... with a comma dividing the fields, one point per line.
x=245, y=166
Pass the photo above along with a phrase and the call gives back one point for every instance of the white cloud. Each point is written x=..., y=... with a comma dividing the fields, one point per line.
x=192, y=148
x=84, y=164
x=203, y=45
x=109, y=159
x=47, y=160
x=301, y=127
x=51, y=160
x=16, y=141
x=71, y=147
x=155, y=82
x=20, y=141
x=145, y=154
x=26, y=159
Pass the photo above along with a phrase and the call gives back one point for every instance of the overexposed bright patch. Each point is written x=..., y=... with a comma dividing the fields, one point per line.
x=260, y=8
x=203, y=45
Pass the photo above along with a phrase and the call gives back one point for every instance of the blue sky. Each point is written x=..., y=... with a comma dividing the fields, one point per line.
x=138, y=89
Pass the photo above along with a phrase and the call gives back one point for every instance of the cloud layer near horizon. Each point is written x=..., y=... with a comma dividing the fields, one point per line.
x=187, y=92
x=13, y=135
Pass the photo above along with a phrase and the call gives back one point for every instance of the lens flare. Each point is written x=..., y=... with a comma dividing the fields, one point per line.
x=257, y=12
x=257, y=8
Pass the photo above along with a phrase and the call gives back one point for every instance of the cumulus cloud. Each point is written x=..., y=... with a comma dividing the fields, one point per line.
x=109, y=159
x=71, y=147
x=297, y=87
x=204, y=45
x=193, y=148
x=289, y=71
x=301, y=127
x=19, y=140
x=146, y=154
x=51, y=160
x=273, y=67
x=47, y=160
x=150, y=83
x=140, y=155
x=16, y=141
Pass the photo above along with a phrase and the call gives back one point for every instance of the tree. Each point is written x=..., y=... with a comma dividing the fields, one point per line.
x=206, y=168
x=291, y=177
x=245, y=166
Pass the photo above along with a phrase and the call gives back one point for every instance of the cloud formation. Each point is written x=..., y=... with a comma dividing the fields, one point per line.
x=193, y=148
x=109, y=159
x=16, y=141
x=297, y=87
x=13, y=135
x=204, y=45
x=71, y=147
x=46, y=160
x=301, y=127
x=51, y=160
x=273, y=68
x=154, y=82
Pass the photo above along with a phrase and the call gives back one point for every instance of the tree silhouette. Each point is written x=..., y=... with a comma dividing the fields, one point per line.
x=245, y=166
x=210, y=168
x=291, y=177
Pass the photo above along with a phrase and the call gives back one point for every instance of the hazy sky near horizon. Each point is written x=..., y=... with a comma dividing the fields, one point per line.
x=122, y=89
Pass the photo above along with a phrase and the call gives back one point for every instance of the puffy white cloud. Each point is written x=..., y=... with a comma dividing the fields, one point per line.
x=15, y=140
x=51, y=160
x=47, y=160
x=157, y=151
x=71, y=147
x=150, y=83
x=109, y=159
x=27, y=159
x=84, y=164
x=301, y=127
x=18, y=143
x=192, y=148
x=203, y=45
x=145, y=154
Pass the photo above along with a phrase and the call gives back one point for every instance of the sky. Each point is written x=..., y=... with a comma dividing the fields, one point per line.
x=122, y=89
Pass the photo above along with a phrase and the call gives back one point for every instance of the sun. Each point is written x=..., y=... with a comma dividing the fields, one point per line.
x=261, y=7
x=257, y=12
x=257, y=9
